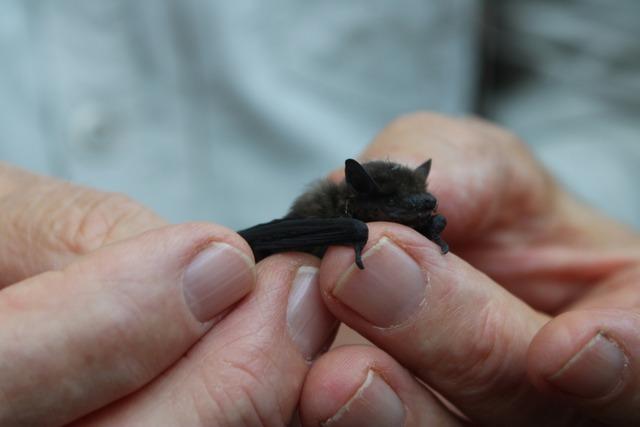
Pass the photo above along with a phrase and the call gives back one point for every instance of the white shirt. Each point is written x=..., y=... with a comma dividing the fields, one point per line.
x=224, y=111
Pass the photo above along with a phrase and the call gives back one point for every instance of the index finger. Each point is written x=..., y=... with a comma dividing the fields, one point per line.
x=482, y=175
x=46, y=223
x=505, y=214
x=487, y=179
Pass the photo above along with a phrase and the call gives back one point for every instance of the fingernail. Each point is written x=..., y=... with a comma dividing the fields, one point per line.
x=374, y=404
x=216, y=278
x=309, y=321
x=388, y=291
x=594, y=371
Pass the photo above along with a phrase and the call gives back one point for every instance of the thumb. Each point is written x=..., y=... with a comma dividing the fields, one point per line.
x=591, y=357
x=74, y=340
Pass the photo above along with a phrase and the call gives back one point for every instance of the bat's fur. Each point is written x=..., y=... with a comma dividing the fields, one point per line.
x=372, y=191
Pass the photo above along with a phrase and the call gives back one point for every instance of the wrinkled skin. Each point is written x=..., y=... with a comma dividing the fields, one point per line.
x=508, y=327
x=88, y=281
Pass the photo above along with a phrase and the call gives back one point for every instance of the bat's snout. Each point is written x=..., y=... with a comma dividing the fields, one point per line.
x=423, y=202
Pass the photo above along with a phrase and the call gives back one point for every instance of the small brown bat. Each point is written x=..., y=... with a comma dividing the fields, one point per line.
x=335, y=214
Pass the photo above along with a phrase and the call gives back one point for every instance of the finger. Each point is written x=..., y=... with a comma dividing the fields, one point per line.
x=362, y=386
x=77, y=339
x=506, y=215
x=452, y=326
x=249, y=369
x=590, y=358
x=47, y=223
x=620, y=291
x=482, y=175
x=488, y=179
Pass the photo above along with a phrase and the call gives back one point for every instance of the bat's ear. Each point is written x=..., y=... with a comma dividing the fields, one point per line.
x=423, y=170
x=358, y=178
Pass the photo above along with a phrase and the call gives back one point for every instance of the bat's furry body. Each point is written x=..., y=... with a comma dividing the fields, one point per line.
x=333, y=213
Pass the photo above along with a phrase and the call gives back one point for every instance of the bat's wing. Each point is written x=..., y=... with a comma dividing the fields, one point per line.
x=312, y=235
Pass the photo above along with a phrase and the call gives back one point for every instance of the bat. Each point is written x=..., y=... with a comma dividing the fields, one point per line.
x=332, y=213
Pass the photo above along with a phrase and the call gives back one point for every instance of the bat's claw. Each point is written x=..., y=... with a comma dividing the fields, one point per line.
x=444, y=247
x=358, y=249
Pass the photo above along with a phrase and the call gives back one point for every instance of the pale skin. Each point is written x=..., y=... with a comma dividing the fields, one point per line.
x=95, y=329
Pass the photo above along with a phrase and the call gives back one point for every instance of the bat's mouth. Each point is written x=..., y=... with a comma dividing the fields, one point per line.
x=412, y=217
x=403, y=216
x=412, y=212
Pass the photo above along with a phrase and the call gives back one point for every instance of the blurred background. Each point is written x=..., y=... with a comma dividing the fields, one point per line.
x=224, y=111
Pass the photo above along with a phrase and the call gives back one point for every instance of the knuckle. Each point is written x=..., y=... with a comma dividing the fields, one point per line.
x=468, y=134
x=94, y=219
x=53, y=221
x=498, y=135
x=420, y=120
x=240, y=393
x=485, y=361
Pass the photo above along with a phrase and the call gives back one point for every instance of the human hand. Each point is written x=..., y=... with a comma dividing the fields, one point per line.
x=110, y=317
x=532, y=320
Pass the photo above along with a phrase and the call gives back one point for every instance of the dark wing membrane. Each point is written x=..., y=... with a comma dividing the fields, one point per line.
x=307, y=235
